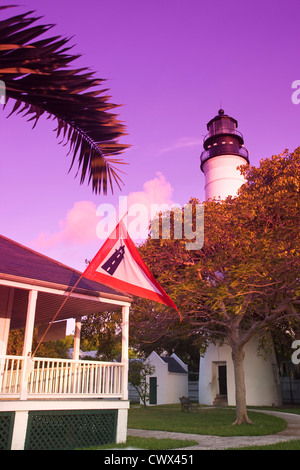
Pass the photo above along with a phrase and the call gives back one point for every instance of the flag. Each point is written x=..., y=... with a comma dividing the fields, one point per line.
x=119, y=265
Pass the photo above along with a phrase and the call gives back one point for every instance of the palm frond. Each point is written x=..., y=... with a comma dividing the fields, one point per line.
x=38, y=76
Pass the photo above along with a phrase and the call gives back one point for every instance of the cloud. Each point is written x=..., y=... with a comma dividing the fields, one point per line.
x=79, y=231
x=155, y=191
x=182, y=143
x=141, y=206
x=77, y=228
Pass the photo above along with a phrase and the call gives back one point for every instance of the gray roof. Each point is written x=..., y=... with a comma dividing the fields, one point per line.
x=20, y=261
x=20, y=264
x=173, y=365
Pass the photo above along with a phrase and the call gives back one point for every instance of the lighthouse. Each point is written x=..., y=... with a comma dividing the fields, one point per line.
x=223, y=152
x=114, y=261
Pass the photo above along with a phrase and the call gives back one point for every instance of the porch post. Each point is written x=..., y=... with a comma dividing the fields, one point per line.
x=27, y=346
x=32, y=298
x=125, y=345
x=76, y=345
x=6, y=301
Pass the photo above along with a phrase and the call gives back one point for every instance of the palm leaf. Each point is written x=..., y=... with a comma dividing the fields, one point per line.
x=38, y=76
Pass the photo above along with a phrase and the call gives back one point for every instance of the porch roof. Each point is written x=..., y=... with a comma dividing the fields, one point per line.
x=25, y=269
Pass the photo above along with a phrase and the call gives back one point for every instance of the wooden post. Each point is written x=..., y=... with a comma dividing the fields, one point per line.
x=27, y=346
x=32, y=298
x=6, y=301
x=76, y=346
x=75, y=370
x=125, y=346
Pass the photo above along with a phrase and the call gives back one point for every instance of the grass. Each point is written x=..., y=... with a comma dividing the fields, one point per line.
x=295, y=410
x=148, y=444
x=214, y=422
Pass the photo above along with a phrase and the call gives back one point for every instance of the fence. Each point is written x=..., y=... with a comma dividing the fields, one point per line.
x=22, y=377
x=194, y=390
x=290, y=389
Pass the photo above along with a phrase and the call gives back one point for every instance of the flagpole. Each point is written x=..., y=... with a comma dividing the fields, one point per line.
x=55, y=316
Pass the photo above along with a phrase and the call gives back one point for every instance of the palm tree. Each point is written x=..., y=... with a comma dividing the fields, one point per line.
x=38, y=77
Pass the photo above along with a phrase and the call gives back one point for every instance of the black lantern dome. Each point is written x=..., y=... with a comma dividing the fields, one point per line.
x=223, y=138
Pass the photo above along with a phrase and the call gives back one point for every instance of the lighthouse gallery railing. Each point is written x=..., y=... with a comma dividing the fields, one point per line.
x=223, y=150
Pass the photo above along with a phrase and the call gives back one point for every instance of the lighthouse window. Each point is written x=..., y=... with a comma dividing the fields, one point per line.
x=221, y=126
x=231, y=142
x=215, y=144
x=223, y=142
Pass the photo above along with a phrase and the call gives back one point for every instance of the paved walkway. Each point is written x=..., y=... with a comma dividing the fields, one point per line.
x=291, y=432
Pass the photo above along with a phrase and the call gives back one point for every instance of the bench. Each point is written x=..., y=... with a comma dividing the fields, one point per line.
x=187, y=405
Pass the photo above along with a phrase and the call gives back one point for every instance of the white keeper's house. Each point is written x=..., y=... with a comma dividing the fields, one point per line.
x=48, y=403
x=169, y=380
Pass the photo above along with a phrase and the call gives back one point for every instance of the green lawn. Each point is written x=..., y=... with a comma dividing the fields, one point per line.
x=295, y=410
x=213, y=421
x=209, y=421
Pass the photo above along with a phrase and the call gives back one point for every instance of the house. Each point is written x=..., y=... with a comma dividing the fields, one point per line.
x=169, y=380
x=216, y=377
x=48, y=403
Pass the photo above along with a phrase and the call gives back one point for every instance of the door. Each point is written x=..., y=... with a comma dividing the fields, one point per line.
x=153, y=391
x=223, y=380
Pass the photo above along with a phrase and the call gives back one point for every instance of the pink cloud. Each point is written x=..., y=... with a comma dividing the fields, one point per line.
x=77, y=228
x=78, y=236
x=155, y=191
x=140, y=206
x=143, y=205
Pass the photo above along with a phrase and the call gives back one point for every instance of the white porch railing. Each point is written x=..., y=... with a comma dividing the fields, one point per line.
x=23, y=378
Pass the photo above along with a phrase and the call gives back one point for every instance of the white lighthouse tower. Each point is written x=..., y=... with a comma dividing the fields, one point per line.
x=223, y=152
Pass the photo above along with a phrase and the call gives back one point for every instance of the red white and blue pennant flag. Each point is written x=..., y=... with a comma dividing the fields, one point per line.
x=119, y=265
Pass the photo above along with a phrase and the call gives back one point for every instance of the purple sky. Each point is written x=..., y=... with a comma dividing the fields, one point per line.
x=169, y=63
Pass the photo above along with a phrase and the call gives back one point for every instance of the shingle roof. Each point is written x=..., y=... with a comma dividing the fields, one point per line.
x=173, y=365
x=25, y=269
x=18, y=260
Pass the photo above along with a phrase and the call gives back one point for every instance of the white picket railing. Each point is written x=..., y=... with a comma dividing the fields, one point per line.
x=21, y=377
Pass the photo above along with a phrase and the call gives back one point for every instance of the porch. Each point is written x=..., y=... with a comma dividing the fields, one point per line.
x=61, y=424
x=47, y=397
x=61, y=404
x=40, y=378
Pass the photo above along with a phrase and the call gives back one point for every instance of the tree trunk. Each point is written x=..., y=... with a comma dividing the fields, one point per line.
x=240, y=389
